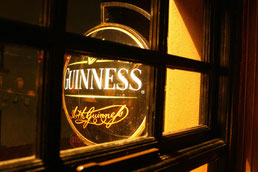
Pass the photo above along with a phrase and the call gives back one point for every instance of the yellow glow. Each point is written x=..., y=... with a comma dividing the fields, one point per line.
x=180, y=40
x=142, y=44
x=182, y=87
x=76, y=63
x=202, y=168
x=139, y=130
x=95, y=117
x=247, y=165
x=86, y=141
x=99, y=96
x=86, y=62
x=182, y=100
x=121, y=30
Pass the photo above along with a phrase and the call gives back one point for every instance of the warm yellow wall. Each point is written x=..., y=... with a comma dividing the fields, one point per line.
x=183, y=88
x=185, y=28
x=202, y=168
x=182, y=100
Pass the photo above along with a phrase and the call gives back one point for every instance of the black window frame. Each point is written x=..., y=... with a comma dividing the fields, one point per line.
x=180, y=151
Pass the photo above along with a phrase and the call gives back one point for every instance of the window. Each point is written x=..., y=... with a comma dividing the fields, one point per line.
x=18, y=101
x=123, y=53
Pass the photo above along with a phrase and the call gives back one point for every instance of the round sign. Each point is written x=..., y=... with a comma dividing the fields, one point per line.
x=106, y=100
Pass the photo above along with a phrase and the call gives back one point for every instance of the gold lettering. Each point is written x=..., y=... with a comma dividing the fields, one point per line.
x=95, y=117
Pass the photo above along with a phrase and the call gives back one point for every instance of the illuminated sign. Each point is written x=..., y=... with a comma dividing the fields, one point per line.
x=107, y=100
x=79, y=78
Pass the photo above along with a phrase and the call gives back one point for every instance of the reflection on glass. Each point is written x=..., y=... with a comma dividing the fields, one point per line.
x=18, y=92
x=27, y=11
x=104, y=100
x=182, y=100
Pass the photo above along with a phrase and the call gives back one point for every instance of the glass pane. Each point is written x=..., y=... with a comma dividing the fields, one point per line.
x=182, y=105
x=18, y=100
x=185, y=30
x=112, y=21
x=104, y=100
x=27, y=11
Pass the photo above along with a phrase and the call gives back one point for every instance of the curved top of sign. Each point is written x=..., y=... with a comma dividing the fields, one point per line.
x=111, y=31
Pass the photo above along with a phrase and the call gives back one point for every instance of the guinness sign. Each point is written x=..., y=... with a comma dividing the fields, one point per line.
x=105, y=100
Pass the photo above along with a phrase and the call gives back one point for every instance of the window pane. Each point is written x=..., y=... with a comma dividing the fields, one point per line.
x=185, y=29
x=104, y=100
x=18, y=100
x=27, y=11
x=182, y=105
x=112, y=21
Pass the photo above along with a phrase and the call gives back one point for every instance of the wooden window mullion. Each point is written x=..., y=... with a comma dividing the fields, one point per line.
x=159, y=23
x=52, y=84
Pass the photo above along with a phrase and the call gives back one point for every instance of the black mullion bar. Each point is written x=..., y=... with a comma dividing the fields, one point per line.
x=204, y=116
x=163, y=26
x=52, y=94
x=173, y=62
x=25, y=34
x=159, y=24
x=215, y=60
x=36, y=36
x=113, y=50
x=39, y=37
x=157, y=123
